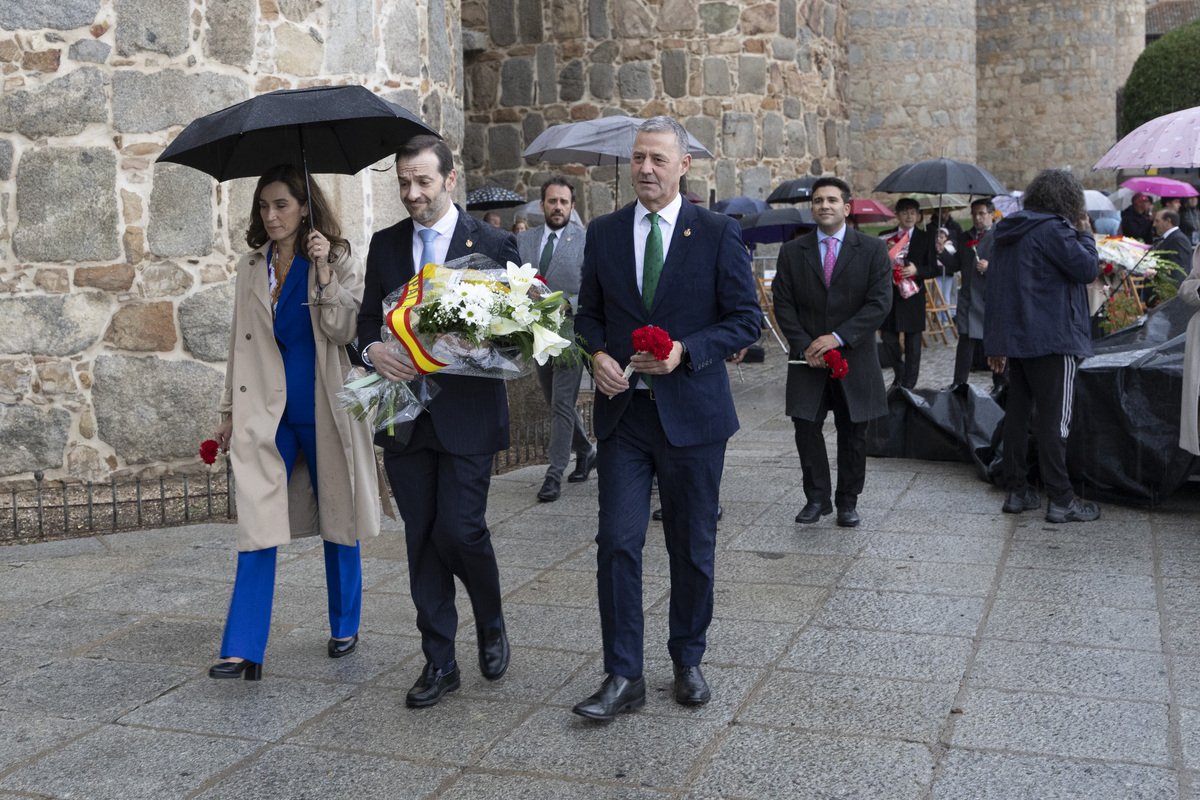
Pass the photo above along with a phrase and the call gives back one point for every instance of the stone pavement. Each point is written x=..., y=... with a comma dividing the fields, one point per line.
x=942, y=650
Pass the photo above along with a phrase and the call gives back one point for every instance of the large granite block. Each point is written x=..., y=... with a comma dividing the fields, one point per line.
x=33, y=438
x=350, y=36
x=205, y=319
x=180, y=212
x=57, y=325
x=160, y=26
x=148, y=102
x=61, y=15
x=61, y=108
x=230, y=34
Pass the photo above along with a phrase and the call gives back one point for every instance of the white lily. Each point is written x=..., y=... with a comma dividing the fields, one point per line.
x=546, y=344
x=502, y=326
x=521, y=278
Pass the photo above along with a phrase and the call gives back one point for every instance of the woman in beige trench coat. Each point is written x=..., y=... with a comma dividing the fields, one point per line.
x=1189, y=428
x=292, y=318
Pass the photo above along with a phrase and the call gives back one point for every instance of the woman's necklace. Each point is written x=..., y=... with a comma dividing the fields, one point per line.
x=280, y=274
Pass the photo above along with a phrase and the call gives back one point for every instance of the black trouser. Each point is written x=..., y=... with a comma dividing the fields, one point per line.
x=851, y=451
x=964, y=357
x=906, y=363
x=1047, y=382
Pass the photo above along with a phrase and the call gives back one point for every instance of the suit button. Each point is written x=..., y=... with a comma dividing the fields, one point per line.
x=247, y=336
x=241, y=388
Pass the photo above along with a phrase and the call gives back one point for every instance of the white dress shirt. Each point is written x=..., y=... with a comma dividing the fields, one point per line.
x=641, y=229
x=441, y=245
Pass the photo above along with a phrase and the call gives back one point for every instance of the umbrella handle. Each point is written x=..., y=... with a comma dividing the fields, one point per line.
x=307, y=187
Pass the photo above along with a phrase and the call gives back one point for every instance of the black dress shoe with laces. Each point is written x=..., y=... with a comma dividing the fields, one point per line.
x=813, y=512
x=339, y=648
x=690, y=687
x=550, y=490
x=847, y=517
x=616, y=694
x=584, y=464
x=236, y=669
x=494, y=652
x=432, y=686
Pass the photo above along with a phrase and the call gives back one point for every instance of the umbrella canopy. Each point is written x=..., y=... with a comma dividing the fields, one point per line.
x=490, y=198
x=928, y=201
x=338, y=129
x=740, y=205
x=1009, y=203
x=941, y=176
x=797, y=190
x=1160, y=187
x=607, y=140
x=1172, y=140
x=775, y=225
x=692, y=197
x=1098, y=205
x=864, y=210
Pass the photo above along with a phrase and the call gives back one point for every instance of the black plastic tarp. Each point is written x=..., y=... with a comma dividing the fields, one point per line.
x=1124, y=443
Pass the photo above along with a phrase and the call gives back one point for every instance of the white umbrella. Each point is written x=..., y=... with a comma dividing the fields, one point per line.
x=1098, y=205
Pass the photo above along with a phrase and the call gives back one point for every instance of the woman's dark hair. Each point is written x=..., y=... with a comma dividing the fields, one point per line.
x=1056, y=191
x=323, y=219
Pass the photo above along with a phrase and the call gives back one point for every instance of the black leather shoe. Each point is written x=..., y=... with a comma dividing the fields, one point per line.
x=847, y=517
x=493, y=650
x=339, y=648
x=813, y=512
x=1025, y=500
x=550, y=491
x=236, y=669
x=690, y=687
x=432, y=686
x=616, y=694
x=584, y=463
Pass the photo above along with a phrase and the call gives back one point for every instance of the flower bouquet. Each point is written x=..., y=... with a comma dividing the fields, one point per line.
x=1119, y=255
x=834, y=361
x=898, y=252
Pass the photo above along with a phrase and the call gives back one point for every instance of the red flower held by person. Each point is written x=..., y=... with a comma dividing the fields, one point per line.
x=837, y=364
x=654, y=341
x=208, y=451
x=972, y=242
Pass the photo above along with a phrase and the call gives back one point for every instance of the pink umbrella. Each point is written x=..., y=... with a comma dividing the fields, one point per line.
x=864, y=210
x=1172, y=140
x=1160, y=187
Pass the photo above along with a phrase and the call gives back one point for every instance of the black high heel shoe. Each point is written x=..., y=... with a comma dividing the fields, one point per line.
x=236, y=669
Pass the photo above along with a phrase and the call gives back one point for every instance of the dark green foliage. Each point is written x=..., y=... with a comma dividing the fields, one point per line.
x=1165, y=78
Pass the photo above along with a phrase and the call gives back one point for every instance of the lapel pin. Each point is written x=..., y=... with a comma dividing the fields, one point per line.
x=687, y=231
x=470, y=243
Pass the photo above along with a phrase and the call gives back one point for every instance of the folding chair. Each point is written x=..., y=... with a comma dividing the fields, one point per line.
x=767, y=302
x=935, y=306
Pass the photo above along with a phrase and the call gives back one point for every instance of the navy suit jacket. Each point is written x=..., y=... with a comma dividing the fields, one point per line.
x=469, y=415
x=706, y=298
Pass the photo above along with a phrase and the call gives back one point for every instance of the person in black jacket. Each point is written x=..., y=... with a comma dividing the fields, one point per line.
x=1136, y=220
x=914, y=254
x=1037, y=321
x=1173, y=243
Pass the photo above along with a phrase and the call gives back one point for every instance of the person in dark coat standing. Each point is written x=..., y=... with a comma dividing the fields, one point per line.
x=440, y=464
x=975, y=257
x=1172, y=241
x=1136, y=220
x=832, y=288
x=1037, y=324
x=914, y=254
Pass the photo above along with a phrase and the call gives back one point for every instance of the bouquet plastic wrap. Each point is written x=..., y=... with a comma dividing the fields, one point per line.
x=370, y=397
x=898, y=252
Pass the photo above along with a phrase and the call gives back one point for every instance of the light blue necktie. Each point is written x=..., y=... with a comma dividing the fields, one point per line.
x=427, y=255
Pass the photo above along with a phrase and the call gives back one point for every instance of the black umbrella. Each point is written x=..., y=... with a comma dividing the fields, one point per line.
x=941, y=176
x=775, y=225
x=489, y=198
x=797, y=190
x=323, y=129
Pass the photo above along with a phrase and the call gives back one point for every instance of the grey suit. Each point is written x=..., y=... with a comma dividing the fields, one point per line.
x=560, y=384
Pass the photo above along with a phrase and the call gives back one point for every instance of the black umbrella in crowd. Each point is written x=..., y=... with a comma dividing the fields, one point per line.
x=323, y=129
x=775, y=225
x=941, y=176
x=797, y=190
x=489, y=198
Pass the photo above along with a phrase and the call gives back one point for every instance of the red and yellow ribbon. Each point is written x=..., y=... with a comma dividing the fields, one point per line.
x=399, y=321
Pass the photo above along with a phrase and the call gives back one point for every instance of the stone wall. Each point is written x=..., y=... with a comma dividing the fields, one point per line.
x=760, y=84
x=115, y=272
x=912, y=84
x=1048, y=78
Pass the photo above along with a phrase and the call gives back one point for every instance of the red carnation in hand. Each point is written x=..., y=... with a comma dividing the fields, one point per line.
x=654, y=341
x=972, y=242
x=837, y=364
x=1108, y=269
x=208, y=451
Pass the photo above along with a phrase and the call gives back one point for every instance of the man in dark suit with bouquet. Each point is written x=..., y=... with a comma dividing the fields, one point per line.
x=440, y=465
x=832, y=289
x=665, y=263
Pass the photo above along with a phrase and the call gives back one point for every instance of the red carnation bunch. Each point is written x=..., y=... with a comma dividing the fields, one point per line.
x=837, y=364
x=972, y=242
x=1108, y=268
x=654, y=341
x=896, y=276
x=208, y=451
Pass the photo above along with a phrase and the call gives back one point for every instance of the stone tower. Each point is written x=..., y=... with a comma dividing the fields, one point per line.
x=760, y=84
x=1048, y=77
x=911, y=84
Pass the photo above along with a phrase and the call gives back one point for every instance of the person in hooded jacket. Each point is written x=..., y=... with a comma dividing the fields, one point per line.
x=1036, y=322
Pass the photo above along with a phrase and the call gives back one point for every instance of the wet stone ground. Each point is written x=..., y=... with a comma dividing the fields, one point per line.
x=942, y=650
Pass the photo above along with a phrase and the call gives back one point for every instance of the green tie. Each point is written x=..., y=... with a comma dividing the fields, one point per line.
x=547, y=254
x=653, y=263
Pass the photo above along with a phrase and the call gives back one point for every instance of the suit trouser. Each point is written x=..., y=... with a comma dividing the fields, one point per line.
x=906, y=362
x=442, y=499
x=560, y=385
x=249, y=621
x=689, y=484
x=851, y=450
x=1047, y=382
x=964, y=356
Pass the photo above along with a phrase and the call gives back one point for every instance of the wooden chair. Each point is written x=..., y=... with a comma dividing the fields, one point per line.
x=1135, y=285
x=935, y=306
x=767, y=302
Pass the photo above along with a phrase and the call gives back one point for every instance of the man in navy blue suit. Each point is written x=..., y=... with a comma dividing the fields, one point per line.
x=440, y=465
x=661, y=262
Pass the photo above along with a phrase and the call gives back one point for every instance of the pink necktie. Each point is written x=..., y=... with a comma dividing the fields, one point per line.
x=830, y=258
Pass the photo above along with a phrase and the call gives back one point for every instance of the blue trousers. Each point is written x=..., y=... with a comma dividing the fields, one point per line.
x=249, y=620
x=689, y=484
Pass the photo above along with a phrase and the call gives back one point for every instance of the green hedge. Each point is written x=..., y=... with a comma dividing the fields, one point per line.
x=1165, y=78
